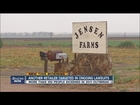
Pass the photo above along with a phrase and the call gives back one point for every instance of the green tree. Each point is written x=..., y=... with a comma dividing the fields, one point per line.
x=1, y=43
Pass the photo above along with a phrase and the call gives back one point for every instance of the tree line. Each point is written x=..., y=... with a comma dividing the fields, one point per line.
x=28, y=34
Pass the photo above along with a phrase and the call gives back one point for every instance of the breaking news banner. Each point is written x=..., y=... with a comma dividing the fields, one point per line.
x=62, y=79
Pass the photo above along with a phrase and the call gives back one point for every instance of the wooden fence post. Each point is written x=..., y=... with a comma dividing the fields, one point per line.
x=46, y=65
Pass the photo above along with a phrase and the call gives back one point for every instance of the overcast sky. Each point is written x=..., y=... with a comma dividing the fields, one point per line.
x=63, y=22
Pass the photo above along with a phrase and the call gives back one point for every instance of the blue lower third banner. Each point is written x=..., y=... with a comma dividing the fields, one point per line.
x=69, y=80
x=17, y=79
x=62, y=79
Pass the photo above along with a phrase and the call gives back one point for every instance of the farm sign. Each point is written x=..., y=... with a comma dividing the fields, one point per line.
x=89, y=37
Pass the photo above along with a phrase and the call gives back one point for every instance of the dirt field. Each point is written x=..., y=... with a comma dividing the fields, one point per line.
x=120, y=69
x=119, y=87
x=6, y=86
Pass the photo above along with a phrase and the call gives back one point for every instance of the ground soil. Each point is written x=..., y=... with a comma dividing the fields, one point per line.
x=6, y=86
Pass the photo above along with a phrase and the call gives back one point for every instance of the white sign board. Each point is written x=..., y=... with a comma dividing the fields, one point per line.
x=89, y=37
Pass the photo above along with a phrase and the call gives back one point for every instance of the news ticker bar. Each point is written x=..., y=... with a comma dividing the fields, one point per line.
x=62, y=79
x=69, y=82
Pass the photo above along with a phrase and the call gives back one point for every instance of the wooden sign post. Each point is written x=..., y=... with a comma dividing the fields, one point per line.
x=46, y=65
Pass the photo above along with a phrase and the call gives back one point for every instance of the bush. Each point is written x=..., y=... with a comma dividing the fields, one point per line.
x=40, y=44
x=137, y=68
x=1, y=43
x=138, y=46
x=126, y=44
